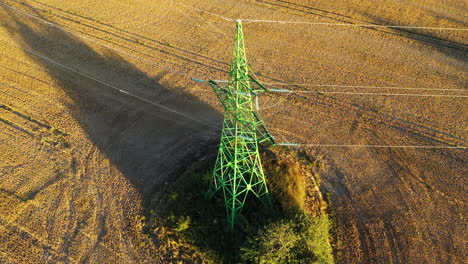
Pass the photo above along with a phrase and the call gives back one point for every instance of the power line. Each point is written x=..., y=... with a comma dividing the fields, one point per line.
x=100, y=43
x=212, y=126
x=127, y=17
x=348, y=71
x=318, y=23
x=354, y=86
x=118, y=89
x=357, y=93
x=220, y=31
x=304, y=58
x=351, y=24
x=364, y=86
x=280, y=101
x=273, y=90
x=370, y=146
x=186, y=75
x=204, y=11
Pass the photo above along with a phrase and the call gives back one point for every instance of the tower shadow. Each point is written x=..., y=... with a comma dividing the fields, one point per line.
x=145, y=142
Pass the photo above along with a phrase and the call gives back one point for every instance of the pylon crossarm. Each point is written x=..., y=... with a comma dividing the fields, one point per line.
x=261, y=88
x=265, y=135
x=222, y=93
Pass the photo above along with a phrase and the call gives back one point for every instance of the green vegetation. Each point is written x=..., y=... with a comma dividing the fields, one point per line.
x=289, y=232
x=294, y=230
x=286, y=183
x=302, y=239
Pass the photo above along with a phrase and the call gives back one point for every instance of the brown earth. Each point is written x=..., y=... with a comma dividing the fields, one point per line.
x=79, y=157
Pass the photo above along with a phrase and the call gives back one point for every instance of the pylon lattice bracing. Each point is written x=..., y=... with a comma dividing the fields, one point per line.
x=238, y=169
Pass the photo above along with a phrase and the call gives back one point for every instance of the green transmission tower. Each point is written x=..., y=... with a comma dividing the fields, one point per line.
x=238, y=169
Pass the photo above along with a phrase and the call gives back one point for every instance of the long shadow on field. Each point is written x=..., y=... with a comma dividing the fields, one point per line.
x=450, y=48
x=145, y=142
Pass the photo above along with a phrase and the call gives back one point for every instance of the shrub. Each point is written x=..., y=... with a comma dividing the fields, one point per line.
x=274, y=244
x=301, y=239
x=316, y=234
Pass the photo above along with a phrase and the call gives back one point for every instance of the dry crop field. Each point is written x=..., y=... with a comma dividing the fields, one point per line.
x=97, y=109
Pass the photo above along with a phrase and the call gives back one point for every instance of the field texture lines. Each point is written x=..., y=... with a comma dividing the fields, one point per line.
x=82, y=155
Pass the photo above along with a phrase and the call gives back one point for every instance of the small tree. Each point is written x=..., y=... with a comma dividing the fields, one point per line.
x=274, y=244
x=301, y=239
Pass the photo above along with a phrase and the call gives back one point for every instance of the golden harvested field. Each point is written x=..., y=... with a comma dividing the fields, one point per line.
x=97, y=109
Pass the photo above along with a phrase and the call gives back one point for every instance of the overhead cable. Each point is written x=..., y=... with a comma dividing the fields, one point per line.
x=318, y=23
x=363, y=86
x=118, y=89
x=359, y=93
x=351, y=24
x=99, y=42
x=370, y=146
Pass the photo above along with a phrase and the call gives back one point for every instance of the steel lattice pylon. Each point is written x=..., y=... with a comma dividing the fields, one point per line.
x=238, y=169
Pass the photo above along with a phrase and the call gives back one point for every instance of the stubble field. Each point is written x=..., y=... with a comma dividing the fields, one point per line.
x=97, y=109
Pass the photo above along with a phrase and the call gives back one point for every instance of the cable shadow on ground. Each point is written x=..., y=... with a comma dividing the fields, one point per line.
x=162, y=48
x=450, y=48
x=146, y=143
